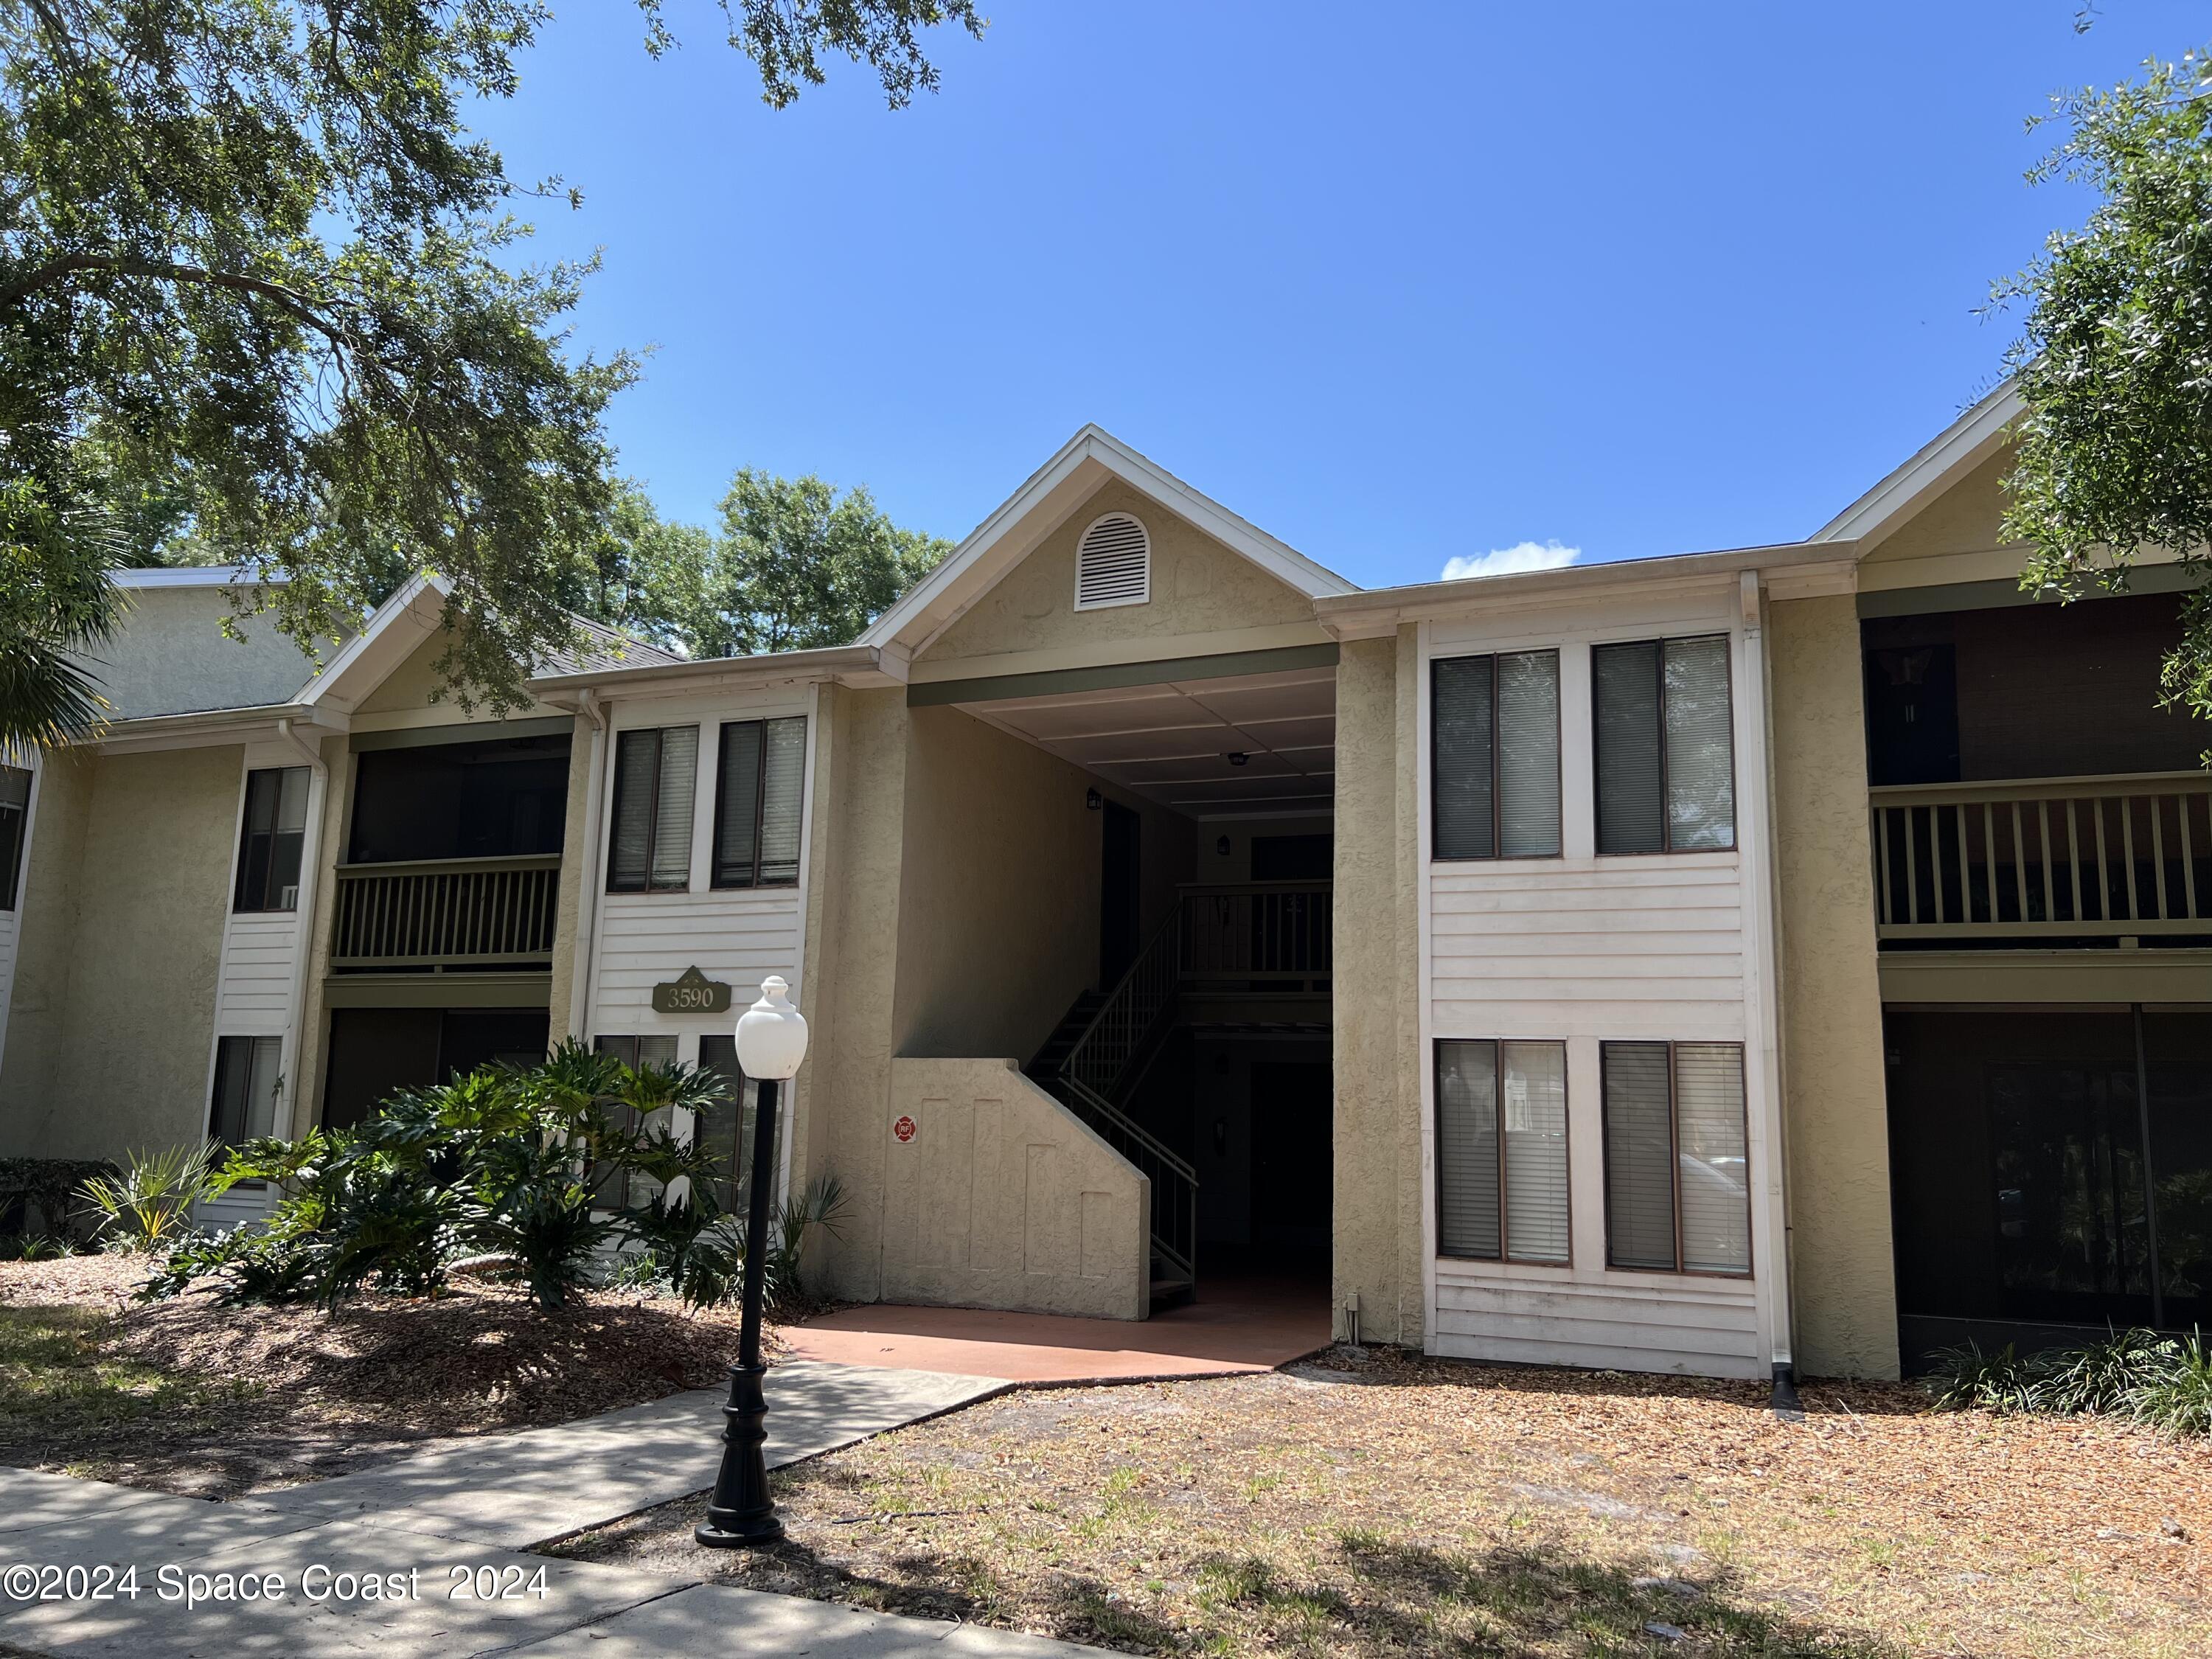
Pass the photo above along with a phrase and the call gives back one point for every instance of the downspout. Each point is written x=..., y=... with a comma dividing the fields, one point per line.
x=586, y=971
x=311, y=865
x=1759, y=848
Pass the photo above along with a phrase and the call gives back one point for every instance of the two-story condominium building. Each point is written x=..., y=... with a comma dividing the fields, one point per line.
x=1783, y=957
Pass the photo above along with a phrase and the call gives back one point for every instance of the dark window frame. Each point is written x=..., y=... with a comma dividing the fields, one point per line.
x=258, y=875
x=1749, y=1270
x=1505, y=1254
x=232, y=1050
x=1666, y=848
x=614, y=884
x=716, y=882
x=1497, y=759
x=17, y=840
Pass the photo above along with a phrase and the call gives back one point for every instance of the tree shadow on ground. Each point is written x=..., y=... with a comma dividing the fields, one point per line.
x=1371, y=1598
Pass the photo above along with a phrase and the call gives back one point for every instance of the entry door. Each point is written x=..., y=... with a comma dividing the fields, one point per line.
x=1118, y=941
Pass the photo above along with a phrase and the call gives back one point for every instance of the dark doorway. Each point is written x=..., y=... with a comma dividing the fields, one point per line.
x=2037, y=1185
x=377, y=1052
x=1118, y=917
x=1293, y=857
x=1293, y=1107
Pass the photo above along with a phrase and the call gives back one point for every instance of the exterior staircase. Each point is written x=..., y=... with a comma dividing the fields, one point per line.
x=1090, y=1063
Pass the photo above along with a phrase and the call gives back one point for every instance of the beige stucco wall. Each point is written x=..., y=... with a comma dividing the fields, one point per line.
x=1198, y=587
x=1835, y=1115
x=1964, y=519
x=850, y=975
x=1377, y=1034
x=998, y=904
x=415, y=685
x=51, y=880
x=1004, y=1199
x=144, y=938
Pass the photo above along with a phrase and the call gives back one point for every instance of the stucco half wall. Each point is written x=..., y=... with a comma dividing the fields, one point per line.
x=1835, y=1113
x=998, y=1196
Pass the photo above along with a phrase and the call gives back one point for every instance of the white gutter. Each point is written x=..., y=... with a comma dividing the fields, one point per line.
x=303, y=950
x=582, y=974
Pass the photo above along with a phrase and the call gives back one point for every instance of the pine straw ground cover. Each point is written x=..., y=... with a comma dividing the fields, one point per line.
x=1373, y=1503
x=190, y=1397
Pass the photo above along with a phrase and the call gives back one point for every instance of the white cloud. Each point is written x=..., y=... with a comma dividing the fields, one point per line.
x=1512, y=561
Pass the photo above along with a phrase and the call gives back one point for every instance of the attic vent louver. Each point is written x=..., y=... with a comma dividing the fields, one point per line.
x=1113, y=564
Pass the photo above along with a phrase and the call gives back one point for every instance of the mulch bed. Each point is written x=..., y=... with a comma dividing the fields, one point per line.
x=190, y=1397
x=1373, y=1503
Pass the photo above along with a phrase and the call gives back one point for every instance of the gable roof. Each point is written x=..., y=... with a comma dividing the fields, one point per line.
x=1041, y=505
x=1944, y=460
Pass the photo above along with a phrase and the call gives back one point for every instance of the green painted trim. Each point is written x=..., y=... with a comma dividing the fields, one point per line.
x=2004, y=593
x=1112, y=677
x=437, y=991
x=425, y=736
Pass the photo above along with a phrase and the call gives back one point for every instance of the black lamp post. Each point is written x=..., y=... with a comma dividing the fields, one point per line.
x=771, y=1042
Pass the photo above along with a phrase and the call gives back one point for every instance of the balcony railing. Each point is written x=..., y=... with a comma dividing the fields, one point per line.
x=2054, y=858
x=1256, y=931
x=457, y=913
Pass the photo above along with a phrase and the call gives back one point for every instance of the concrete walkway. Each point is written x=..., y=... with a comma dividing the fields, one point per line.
x=409, y=1525
x=1240, y=1323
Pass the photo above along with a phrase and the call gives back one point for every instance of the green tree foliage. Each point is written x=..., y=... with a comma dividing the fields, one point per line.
x=2113, y=452
x=797, y=564
x=252, y=264
x=800, y=565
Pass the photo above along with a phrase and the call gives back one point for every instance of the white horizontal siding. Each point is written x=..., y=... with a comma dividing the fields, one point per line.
x=645, y=939
x=1698, y=1327
x=260, y=964
x=1601, y=947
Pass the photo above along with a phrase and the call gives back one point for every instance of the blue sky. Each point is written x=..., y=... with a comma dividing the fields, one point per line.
x=1402, y=285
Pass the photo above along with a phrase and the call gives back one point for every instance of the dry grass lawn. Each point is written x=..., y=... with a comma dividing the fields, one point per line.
x=1372, y=1503
x=190, y=1397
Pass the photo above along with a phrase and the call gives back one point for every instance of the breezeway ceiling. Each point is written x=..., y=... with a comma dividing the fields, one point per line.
x=1172, y=742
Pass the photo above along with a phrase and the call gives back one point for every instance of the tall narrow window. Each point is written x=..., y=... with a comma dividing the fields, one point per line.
x=729, y=1128
x=656, y=775
x=1677, y=1170
x=1502, y=1150
x=1494, y=728
x=247, y=1082
x=275, y=831
x=613, y=1186
x=14, y=818
x=758, y=803
x=1666, y=756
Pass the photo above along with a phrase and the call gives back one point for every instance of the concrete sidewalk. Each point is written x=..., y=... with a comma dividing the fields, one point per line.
x=433, y=1530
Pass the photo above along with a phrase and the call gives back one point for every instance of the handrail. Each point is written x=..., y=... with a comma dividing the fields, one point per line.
x=449, y=866
x=432, y=913
x=2112, y=856
x=1257, y=932
x=1102, y=1050
x=1173, y=1224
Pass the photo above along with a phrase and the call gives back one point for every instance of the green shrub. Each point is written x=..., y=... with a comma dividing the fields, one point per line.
x=2180, y=1400
x=714, y=1268
x=1965, y=1379
x=47, y=1186
x=147, y=1205
x=502, y=1167
x=2100, y=1376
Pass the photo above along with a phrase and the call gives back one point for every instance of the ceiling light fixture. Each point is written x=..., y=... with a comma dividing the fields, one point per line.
x=1237, y=757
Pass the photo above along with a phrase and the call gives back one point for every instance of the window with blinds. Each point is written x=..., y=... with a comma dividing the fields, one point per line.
x=247, y=1078
x=649, y=838
x=270, y=839
x=617, y=1186
x=15, y=819
x=1666, y=753
x=1502, y=1150
x=1677, y=1165
x=758, y=803
x=1494, y=734
x=728, y=1129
